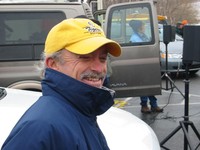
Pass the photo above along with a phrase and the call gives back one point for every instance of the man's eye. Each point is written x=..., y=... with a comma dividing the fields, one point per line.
x=103, y=59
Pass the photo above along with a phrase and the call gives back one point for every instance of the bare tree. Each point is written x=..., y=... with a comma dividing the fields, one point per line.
x=107, y=3
x=178, y=10
x=175, y=10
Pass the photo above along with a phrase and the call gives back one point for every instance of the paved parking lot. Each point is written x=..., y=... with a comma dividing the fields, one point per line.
x=173, y=103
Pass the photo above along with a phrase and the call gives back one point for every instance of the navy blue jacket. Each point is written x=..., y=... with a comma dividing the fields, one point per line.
x=64, y=118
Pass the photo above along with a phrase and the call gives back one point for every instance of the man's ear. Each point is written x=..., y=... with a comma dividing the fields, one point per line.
x=51, y=63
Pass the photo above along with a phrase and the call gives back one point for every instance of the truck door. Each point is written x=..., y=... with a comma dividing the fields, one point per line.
x=137, y=71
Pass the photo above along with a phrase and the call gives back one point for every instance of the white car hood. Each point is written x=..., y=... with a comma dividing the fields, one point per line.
x=121, y=129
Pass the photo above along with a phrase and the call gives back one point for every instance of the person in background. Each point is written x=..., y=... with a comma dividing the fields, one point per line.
x=180, y=27
x=153, y=103
x=138, y=28
x=139, y=36
x=65, y=116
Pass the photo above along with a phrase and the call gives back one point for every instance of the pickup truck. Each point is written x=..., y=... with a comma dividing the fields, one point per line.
x=24, y=26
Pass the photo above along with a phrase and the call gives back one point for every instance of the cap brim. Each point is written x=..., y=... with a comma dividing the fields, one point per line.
x=89, y=45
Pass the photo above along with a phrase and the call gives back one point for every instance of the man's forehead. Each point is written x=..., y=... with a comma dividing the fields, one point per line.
x=102, y=50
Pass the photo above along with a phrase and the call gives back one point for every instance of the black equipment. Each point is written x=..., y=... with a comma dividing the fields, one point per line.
x=169, y=33
x=191, y=50
x=191, y=46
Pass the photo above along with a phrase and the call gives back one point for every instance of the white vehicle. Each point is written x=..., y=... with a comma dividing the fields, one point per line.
x=122, y=130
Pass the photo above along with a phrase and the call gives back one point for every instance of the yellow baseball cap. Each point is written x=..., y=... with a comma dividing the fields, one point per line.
x=79, y=36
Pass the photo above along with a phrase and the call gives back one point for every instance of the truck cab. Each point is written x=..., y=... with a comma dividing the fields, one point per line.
x=24, y=26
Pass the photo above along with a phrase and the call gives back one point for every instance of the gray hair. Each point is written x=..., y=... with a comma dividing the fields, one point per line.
x=57, y=56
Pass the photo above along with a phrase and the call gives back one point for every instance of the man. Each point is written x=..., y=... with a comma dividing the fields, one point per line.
x=180, y=27
x=140, y=36
x=64, y=118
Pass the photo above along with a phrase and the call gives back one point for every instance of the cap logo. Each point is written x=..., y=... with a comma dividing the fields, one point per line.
x=92, y=29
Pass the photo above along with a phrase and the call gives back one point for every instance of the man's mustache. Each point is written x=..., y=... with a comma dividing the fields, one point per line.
x=92, y=74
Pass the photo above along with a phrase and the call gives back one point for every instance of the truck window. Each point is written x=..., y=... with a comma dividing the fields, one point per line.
x=125, y=22
x=23, y=33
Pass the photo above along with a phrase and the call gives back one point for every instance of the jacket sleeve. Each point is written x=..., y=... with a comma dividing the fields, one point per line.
x=29, y=135
x=39, y=135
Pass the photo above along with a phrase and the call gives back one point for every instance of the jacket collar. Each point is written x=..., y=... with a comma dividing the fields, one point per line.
x=89, y=100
